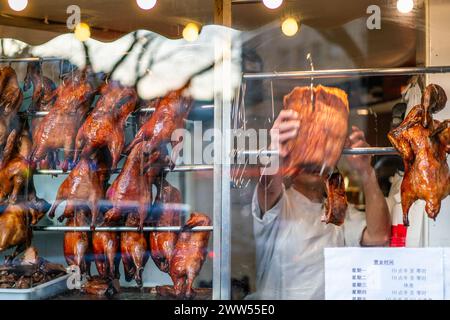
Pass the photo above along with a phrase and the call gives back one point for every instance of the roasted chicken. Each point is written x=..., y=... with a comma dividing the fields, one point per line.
x=423, y=144
x=59, y=127
x=99, y=286
x=77, y=244
x=165, y=213
x=15, y=225
x=104, y=127
x=189, y=255
x=169, y=115
x=323, y=116
x=336, y=202
x=134, y=250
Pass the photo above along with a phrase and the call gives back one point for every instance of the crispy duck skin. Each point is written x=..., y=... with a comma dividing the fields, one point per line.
x=134, y=250
x=169, y=115
x=15, y=224
x=15, y=171
x=106, y=249
x=104, y=127
x=11, y=98
x=131, y=191
x=322, y=132
x=164, y=214
x=59, y=127
x=336, y=202
x=99, y=286
x=189, y=255
x=77, y=248
x=424, y=152
x=84, y=186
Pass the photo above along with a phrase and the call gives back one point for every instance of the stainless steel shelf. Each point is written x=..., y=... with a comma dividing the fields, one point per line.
x=346, y=73
x=176, y=169
x=118, y=229
x=353, y=151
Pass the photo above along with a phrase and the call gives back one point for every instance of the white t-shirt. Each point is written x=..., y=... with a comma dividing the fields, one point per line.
x=290, y=239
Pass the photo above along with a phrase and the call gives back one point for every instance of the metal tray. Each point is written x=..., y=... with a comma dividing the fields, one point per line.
x=42, y=291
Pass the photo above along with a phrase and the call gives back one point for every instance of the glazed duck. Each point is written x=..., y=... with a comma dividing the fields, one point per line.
x=43, y=98
x=134, y=250
x=11, y=98
x=423, y=144
x=15, y=225
x=104, y=127
x=164, y=214
x=15, y=171
x=59, y=127
x=131, y=191
x=169, y=115
x=106, y=249
x=189, y=255
x=77, y=248
x=84, y=186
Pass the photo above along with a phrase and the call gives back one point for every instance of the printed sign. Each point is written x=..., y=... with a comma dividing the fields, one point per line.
x=384, y=274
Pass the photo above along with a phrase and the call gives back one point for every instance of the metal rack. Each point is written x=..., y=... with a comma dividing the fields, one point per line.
x=120, y=229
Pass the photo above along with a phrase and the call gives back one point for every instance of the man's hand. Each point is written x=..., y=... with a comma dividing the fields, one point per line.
x=361, y=163
x=285, y=128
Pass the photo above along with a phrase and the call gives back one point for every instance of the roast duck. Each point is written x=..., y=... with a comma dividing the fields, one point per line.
x=104, y=127
x=43, y=98
x=323, y=116
x=423, y=143
x=164, y=214
x=11, y=98
x=15, y=225
x=59, y=127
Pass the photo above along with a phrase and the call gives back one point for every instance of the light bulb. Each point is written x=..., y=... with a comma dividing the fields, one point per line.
x=190, y=32
x=289, y=27
x=18, y=5
x=146, y=4
x=82, y=31
x=272, y=4
x=405, y=6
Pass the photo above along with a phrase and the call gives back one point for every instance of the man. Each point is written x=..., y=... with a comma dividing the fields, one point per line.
x=290, y=236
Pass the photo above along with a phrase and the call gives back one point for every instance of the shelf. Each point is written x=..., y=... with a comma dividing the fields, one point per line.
x=176, y=169
x=118, y=229
x=353, y=151
x=345, y=73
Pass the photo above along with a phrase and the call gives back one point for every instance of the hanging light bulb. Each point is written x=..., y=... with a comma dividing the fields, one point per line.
x=18, y=5
x=405, y=6
x=146, y=4
x=272, y=4
x=289, y=27
x=190, y=32
x=82, y=31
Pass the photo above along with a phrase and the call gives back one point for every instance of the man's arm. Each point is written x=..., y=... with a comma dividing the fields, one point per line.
x=270, y=187
x=378, y=219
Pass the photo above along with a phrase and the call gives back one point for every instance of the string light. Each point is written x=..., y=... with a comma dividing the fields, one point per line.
x=18, y=5
x=272, y=4
x=146, y=4
x=190, y=32
x=405, y=6
x=289, y=27
x=82, y=31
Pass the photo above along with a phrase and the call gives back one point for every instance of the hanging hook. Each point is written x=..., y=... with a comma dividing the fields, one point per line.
x=309, y=58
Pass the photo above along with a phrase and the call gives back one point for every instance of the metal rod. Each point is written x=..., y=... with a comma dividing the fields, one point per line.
x=44, y=113
x=31, y=59
x=346, y=73
x=120, y=229
x=353, y=151
x=186, y=168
